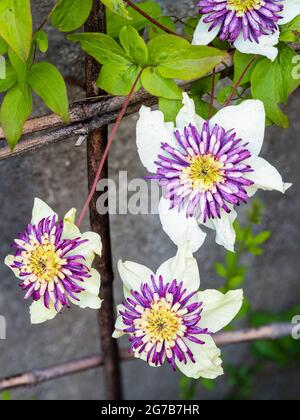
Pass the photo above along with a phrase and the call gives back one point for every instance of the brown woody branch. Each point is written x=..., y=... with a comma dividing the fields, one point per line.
x=35, y=377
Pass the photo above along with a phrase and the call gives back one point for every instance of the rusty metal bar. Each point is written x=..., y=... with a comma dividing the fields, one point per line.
x=96, y=144
x=85, y=116
x=32, y=378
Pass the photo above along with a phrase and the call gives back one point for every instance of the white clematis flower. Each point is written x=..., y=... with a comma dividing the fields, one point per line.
x=53, y=261
x=169, y=320
x=206, y=168
x=252, y=26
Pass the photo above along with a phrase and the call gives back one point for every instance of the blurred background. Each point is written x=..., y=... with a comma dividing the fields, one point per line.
x=57, y=174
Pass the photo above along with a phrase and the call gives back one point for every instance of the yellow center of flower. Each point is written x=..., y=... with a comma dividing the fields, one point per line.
x=204, y=172
x=160, y=323
x=44, y=262
x=241, y=6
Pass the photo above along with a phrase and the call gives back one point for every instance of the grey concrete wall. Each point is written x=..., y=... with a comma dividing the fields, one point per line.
x=57, y=174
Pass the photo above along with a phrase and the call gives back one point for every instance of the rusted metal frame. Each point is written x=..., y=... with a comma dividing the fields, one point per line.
x=96, y=144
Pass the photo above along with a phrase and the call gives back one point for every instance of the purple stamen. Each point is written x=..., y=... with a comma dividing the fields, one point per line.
x=208, y=173
x=47, y=269
x=167, y=321
x=252, y=19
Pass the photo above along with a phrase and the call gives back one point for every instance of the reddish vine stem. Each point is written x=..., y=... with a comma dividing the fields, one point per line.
x=105, y=154
x=151, y=19
x=212, y=95
x=237, y=85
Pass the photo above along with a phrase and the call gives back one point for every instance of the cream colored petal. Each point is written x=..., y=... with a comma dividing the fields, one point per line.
x=70, y=216
x=179, y=228
x=241, y=119
x=208, y=362
x=92, y=284
x=39, y=313
x=183, y=268
x=133, y=275
x=9, y=260
x=87, y=300
x=143, y=356
x=219, y=309
x=265, y=47
x=119, y=327
x=70, y=230
x=202, y=34
x=265, y=176
x=187, y=115
x=291, y=9
x=151, y=132
x=225, y=233
x=40, y=211
x=93, y=245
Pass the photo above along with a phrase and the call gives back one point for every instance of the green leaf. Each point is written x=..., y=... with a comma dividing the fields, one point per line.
x=194, y=63
x=269, y=350
x=223, y=94
x=134, y=45
x=256, y=251
x=15, y=109
x=290, y=32
x=115, y=22
x=5, y=396
x=167, y=48
x=69, y=15
x=235, y=282
x=202, y=86
x=266, y=85
x=170, y=108
x=3, y=47
x=124, y=76
x=188, y=388
x=241, y=61
x=261, y=237
x=118, y=7
x=157, y=85
x=273, y=82
x=231, y=260
x=244, y=311
x=190, y=25
x=41, y=38
x=10, y=78
x=20, y=69
x=16, y=26
x=203, y=108
x=48, y=83
x=208, y=384
x=102, y=47
x=154, y=30
x=220, y=269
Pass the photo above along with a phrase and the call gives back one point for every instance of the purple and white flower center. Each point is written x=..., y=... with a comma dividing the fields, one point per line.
x=49, y=266
x=206, y=173
x=252, y=18
x=162, y=319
